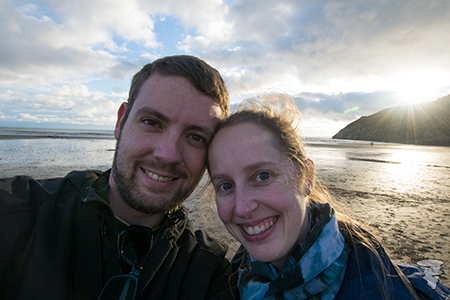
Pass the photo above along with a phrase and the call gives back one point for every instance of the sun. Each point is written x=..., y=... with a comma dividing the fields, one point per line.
x=419, y=86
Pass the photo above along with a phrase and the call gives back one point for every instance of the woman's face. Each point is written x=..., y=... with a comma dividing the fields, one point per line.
x=257, y=196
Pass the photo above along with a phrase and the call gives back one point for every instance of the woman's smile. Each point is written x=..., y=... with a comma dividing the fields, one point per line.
x=257, y=199
x=254, y=230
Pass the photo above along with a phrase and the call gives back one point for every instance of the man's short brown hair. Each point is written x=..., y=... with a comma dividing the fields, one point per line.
x=203, y=77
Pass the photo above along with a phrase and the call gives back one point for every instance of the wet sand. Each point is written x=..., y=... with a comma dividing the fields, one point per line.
x=410, y=229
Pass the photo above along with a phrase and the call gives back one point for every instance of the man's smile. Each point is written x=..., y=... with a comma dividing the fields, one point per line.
x=157, y=177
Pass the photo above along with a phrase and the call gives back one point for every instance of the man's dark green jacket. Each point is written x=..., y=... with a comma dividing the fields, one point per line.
x=59, y=240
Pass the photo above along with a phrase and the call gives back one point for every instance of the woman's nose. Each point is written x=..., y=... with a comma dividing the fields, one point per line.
x=245, y=203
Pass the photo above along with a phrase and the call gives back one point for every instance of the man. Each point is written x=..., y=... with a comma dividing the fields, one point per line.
x=60, y=238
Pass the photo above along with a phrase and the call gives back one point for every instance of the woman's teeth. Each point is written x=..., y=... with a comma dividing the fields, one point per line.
x=157, y=177
x=259, y=229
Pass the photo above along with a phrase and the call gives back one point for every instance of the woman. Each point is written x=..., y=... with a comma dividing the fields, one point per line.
x=296, y=243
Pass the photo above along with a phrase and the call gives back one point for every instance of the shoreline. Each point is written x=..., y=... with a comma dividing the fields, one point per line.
x=32, y=137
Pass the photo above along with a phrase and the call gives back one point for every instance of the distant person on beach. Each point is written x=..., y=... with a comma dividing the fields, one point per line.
x=124, y=234
x=296, y=242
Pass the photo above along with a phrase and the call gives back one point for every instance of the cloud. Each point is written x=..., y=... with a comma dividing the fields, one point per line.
x=208, y=18
x=69, y=105
x=73, y=39
x=339, y=59
x=318, y=42
x=51, y=53
x=343, y=106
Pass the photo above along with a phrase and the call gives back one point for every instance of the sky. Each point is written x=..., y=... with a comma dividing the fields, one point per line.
x=68, y=64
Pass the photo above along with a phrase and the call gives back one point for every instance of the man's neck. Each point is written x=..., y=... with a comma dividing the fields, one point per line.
x=128, y=214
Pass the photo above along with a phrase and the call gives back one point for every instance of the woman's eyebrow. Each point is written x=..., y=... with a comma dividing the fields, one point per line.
x=260, y=164
x=250, y=168
x=218, y=177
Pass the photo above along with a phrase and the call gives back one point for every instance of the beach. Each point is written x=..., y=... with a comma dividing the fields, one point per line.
x=411, y=230
x=412, y=224
x=403, y=192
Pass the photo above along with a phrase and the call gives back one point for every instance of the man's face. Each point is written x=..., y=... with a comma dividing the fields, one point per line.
x=161, y=147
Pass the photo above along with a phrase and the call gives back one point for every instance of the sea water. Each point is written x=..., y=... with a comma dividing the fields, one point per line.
x=384, y=168
x=47, y=153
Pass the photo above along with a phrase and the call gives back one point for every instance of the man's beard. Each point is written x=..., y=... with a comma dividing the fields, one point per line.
x=129, y=190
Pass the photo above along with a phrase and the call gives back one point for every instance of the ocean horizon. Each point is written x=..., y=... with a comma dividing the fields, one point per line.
x=377, y=166
x=26, y=132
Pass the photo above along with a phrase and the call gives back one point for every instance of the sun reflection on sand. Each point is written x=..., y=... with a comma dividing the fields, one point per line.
x=407, y=174
x=414, y=171
x=409, y=155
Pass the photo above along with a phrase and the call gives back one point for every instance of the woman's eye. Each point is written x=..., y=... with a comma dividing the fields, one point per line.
x=262, y=176
x=225, y=187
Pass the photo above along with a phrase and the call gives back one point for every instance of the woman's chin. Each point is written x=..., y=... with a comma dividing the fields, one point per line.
x=264, y=254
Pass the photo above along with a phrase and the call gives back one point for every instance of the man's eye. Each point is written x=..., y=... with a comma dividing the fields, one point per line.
x=225, y=186
x=150, y=122
x=197, y=138
x=262, y=176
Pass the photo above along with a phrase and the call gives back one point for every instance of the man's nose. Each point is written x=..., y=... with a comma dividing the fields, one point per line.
x=169, y=148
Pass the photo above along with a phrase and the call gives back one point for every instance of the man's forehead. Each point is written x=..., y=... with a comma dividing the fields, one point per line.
x=216, y=112
x=175, y=97
x=202, y=115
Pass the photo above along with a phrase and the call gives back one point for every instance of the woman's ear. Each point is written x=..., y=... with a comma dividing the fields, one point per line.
x=309, y=180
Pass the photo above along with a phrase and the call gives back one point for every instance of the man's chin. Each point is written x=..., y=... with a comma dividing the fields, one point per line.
x=153, y=203
x=152, y=200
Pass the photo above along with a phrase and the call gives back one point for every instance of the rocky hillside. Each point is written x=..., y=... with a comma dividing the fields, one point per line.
x=421, y=124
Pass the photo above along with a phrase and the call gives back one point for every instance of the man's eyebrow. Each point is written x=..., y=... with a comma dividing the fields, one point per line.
x=146, y=111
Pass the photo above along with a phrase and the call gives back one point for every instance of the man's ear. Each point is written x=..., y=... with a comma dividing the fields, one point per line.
x=120, y=120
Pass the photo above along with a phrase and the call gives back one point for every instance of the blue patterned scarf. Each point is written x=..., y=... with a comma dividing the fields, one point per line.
x=315, y=270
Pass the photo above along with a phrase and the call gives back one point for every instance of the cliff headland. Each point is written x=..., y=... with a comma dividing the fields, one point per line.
x=420, y=124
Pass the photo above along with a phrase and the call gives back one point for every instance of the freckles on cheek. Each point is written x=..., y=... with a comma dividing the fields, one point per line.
x=224, y=213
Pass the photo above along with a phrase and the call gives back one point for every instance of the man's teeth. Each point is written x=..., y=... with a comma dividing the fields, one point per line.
x=157, y=177
x=258, y=230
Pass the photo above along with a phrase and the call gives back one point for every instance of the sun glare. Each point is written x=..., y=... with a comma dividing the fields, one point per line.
x=410, y=87
x=420, y=86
